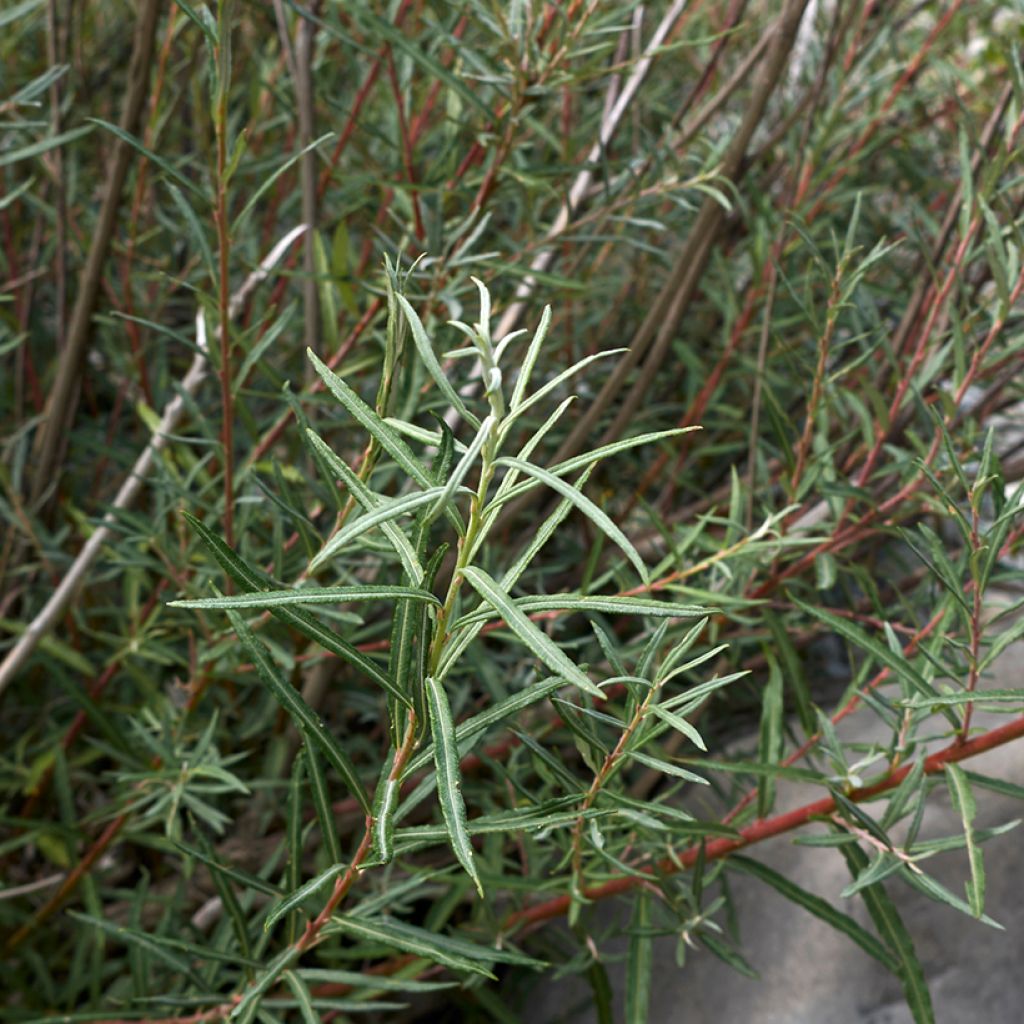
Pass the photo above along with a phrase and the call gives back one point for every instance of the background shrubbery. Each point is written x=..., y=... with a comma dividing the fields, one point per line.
x=795, y=225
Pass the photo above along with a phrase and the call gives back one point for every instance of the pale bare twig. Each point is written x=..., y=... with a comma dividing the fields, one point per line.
x=49, y=615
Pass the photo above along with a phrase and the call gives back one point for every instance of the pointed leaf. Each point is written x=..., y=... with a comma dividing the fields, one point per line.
x=462, y=468
x=894, y=933
x=817, y=906
x=302, y=714
x=322, y=802
x=449, y=779
x=595, y=514
x=879, y=651
x=680, y=724
x=963, y=802
x=447, y=950
x=533, y=638
x=295, y=899
x=370, y=503
x=667, y=769
x=429, y=360
x=309, y=595
x=386, y=511
x=639, y=962
x=304, y=622
x=474, y=727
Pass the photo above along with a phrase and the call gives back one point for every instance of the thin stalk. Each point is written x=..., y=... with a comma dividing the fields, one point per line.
x=224, y=292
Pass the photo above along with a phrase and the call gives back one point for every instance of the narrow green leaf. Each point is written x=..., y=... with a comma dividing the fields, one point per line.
x=449, y=779
x=538, y=642
x=592, y=603
x=310, y=595
x=148, y=941
x=165, y=950
x=879, y=651
x=964, y=697
x=370, y=503
x=374, y=982
x=302, y=714
x=666, y=768
x=385, y=801
x=963, y=802
x=595, y=455
x=680, y=724
x=295, y=899
x=237, y=875
x=206, y=25
x=387, y=510
x=253, y=995
x=894, y=933
x=45, y=145
x=266, y=183
x=530, y=359
x=543, y=534
x=367, y=418
x=794, y=670
x=302, y=621
x=601, y=991
x=322, y=802
x=446, y=950
x=474, y=727
x=936, y=891
x=13, y=12
x=462, y=468
x=429, y=360
x=585, y=505
x=817, y=906
x=553, y=385
x=188, y=211
x=433, y=69
x=727, y=954
x=294, y=836
x=173, y=173
x=302, y=997
x=639, y=962
x=769, y=749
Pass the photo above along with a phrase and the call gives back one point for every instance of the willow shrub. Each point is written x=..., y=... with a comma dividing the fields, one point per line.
x=430, y=665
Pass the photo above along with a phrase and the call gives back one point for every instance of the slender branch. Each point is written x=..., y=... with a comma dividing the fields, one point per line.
x=50, y=614
x=767, y=828
x=63, y=399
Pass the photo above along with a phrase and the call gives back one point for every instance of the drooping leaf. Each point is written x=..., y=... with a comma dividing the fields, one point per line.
x=307, y=624
x=309, y=595
x=295, y=899
x=639, y=962
x=894, y=934
x=595, y=514
x=817, y=906
x=533, y=638
x=449, y=778
x=963, y=802
x=447, y=950
x=304, y=716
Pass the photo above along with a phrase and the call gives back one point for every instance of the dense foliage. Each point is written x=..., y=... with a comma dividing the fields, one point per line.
x=439, y=435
